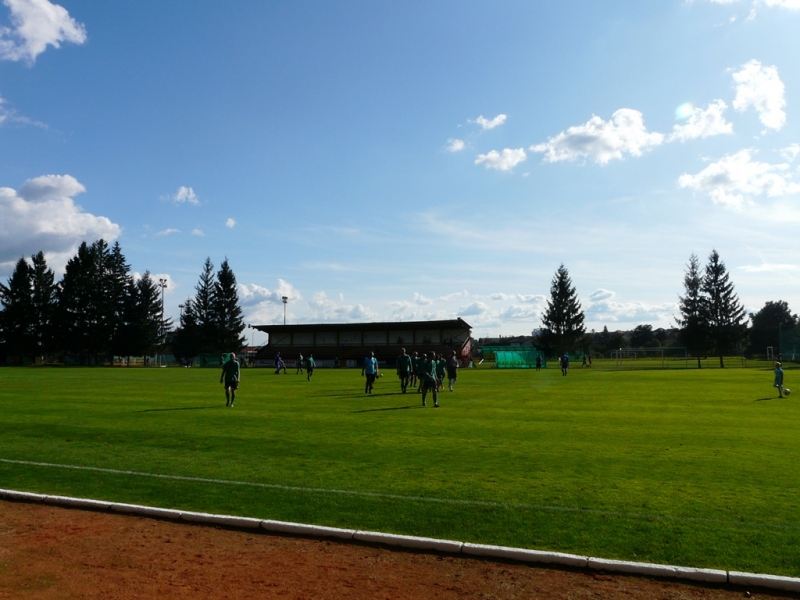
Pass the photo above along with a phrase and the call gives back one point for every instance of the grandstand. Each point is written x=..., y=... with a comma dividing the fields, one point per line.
x=346, y=344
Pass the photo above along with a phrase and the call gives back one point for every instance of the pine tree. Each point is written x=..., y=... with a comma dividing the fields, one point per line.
x=693, y=320
x=43, y=297
x=227, y=312
x=76, y=313
x=563, y=319
x=725, y=315
x=18, y=312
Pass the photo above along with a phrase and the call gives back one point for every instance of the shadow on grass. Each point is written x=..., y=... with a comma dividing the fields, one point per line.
x=183, y=408
x=770, y=398
x=388, y=408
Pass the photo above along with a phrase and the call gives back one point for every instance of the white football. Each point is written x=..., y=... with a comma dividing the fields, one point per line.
x=787, y=391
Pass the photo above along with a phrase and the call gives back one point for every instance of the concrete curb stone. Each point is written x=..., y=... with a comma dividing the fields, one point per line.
x=775, y=582
x=524, y=555
x=655, y=570
x=409, y=541
x=309, y=530
x=738, y=578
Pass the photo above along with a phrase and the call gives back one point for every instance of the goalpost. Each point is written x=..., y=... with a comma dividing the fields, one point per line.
x=650, y=358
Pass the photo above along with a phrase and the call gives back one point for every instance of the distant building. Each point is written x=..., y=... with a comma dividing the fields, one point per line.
x=346, y=344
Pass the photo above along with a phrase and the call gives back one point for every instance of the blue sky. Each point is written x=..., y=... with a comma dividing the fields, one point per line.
x=409, y=160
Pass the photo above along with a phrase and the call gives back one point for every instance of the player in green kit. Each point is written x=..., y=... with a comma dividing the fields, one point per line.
x=404, y=370
x=231, y=373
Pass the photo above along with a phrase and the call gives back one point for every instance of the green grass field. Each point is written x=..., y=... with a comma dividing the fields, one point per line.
x=688, y=467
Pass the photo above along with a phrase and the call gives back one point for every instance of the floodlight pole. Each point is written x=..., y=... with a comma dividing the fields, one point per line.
x=162, y=283
x=285, y=300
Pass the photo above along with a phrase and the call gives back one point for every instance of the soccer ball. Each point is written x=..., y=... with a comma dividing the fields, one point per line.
x=787, y=391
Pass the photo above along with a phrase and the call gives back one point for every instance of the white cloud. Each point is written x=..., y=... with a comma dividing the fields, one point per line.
x=455, y=145
x=791, y=152
x=790, y=4
x=603, y=306
x=41, y=215
x=185, y=194
x=323, y=309
x=703, y=123
x=9, y=115
x=490, y=123
x=733, y=178
x=198, y=232
x=254, y=294
x=761, y=88
x=472, y=309
x=602, y=141
x=230, y=223
x=36, y=24
x=770, y=268
x=502, y=161
x=166, y=232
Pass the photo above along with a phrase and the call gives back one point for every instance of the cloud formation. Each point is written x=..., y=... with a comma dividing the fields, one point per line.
x=41, y=215
x=703, y=123
x=35, y=25
x=185, y=194
x=487, y=124
x=737, y=176
x=602, y=141
x=761, y=88
x=455, y=145
x=604, y=306
x=502, y=161
x=230, y=223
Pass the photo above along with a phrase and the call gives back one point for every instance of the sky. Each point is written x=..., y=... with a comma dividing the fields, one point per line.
x=414, y=160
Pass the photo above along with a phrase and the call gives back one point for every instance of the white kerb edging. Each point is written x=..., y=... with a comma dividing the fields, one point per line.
x=409, y=541
x=309, y=530
x=775, y=582
x=655, y=570
x=523, y=555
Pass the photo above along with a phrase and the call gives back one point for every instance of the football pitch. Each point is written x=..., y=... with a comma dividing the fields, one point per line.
x=691, y=467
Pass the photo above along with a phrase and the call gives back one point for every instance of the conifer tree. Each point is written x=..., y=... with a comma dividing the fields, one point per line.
x=18, y=312
x=227, y=312
x=562, y=321
x=725, y=314
x=693, y=320
x=43, y=297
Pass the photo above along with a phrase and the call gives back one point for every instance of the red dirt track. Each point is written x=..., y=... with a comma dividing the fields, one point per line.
x=48, y=552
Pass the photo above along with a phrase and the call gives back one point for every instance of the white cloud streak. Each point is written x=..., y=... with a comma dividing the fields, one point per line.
x=703, y=123
x=487, y=124
x=455, y=145
x=35, y=25
x=761, y=88
x=737, y=177
x=185, y=195
x=502, y=161
x=602, y=141
x=42, y=215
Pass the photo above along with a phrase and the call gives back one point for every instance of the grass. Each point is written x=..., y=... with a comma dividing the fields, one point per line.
x=686, y=467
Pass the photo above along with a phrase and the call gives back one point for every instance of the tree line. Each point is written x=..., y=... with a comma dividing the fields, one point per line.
x=712, y=320
x=99, y=310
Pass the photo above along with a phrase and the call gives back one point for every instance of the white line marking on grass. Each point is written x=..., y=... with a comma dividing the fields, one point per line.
x=293, y=488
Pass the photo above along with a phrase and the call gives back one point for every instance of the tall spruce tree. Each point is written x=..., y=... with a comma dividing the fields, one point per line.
x=724, y=313
x=43, y=297
x=198, y=331
x=562, y=321
x=227, y=312
x=693, y=321
x=18, y=313
x=76, y=312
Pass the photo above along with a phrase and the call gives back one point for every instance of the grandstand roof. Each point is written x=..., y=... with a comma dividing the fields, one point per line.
x=375, y=326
